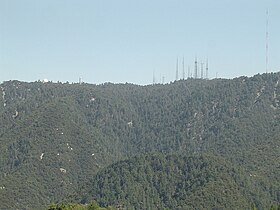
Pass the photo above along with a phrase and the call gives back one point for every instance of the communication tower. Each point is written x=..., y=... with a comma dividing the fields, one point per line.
x=183, y=66
x=154, y=78
x=195, y=69
x=201, y=70
x=207, y=69
x=177, y=66
x=266, y=47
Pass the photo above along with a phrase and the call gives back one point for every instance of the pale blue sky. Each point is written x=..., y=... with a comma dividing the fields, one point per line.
x=127, y=40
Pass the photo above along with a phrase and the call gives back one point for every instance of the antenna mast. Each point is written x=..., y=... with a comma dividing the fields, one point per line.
x=207, y=69
x=195, y=68
x=183, y=66
x=266, y=67
x=177, y=70
x=202, y=70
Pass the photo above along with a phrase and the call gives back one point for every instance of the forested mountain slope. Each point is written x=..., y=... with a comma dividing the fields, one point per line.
x=56, y=137
x=175, y=182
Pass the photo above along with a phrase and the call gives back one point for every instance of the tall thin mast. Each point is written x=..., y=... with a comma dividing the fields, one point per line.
x=183, y=66
x=207, y=69
x=177, y=66
x=195, y=69
x=201, y=70
x=267, y=37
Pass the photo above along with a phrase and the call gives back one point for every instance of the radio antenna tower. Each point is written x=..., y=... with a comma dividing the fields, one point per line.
x=189, y=71
x=195, y=68
x=177, y=66
x=207, y=68
x=183, y=66
x=202, y=70
x=267, y=37
x=154, y=78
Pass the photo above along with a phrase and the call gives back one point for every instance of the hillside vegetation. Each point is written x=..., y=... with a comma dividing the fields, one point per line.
x=175, y=182
x=91, y=206
x=61, y=142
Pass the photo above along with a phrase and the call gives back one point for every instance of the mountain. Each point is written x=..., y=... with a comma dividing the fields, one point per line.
x=55, y=138
x=175, y=182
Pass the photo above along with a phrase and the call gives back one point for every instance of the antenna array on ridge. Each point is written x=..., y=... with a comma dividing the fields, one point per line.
x=198, y=70
x=197, y=73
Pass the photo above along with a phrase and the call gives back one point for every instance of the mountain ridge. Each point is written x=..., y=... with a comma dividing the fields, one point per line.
x=93, y=126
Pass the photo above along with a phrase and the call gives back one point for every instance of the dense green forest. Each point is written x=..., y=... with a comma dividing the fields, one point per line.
x=188, y=144
x=175, y=182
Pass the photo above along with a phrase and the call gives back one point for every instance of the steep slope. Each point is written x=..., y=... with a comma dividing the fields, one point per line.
x=175, y=182
x=47, y=155
x=237, y=119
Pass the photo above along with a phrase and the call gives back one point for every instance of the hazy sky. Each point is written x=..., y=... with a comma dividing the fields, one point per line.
x=127, y=40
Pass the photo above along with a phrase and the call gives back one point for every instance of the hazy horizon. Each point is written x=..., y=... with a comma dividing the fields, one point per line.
x=129, y=41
